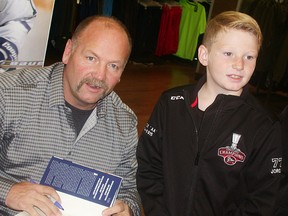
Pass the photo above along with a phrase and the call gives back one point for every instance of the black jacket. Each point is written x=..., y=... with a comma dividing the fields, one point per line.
x=187, y=170
x=282, y=204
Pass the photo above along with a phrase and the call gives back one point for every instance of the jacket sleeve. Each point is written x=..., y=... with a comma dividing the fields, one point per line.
x=262, y=174
x=281, y=208
x=149, y=175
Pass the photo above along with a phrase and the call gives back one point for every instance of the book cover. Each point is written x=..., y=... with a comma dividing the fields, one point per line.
x=83, y=190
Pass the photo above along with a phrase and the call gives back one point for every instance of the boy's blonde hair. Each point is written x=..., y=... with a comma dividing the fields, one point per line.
x=231, y=20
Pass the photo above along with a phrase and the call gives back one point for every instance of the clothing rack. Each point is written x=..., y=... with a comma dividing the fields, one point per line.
x=149, y=3
x=171, y=4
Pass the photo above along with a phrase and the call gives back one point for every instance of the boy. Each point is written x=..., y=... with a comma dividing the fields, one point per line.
x=211, y=149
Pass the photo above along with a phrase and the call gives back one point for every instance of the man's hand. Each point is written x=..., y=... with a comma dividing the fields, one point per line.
x=25, y=196
x=118, y=209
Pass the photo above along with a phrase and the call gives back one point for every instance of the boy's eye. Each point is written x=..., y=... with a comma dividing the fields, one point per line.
x=250, y=57
x=228, y=53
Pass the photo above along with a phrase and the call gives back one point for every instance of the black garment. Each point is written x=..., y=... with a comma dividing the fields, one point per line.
x=127, y=12
x=79, y=117
x=282, y=205
x=64, y=21
x=284, y=124
x=148, y=25
x=183, y=171
x=89, y=8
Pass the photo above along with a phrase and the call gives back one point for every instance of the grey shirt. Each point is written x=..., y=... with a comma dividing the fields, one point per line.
x=35, y=124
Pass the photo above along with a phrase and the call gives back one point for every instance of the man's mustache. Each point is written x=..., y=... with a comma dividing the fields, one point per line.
x=92, y=82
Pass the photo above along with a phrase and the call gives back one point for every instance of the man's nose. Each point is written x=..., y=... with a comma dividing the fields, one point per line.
x=100, y=71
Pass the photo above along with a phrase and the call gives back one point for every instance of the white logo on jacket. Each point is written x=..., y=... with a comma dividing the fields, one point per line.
x=276, y=165
x=149, y=130
x=177, y=97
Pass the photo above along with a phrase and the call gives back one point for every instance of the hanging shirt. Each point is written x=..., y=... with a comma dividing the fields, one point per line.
x=192, y=24
x=168, y=36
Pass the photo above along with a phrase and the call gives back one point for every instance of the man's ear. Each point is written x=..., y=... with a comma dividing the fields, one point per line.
x=67, y=51
x=203, y=55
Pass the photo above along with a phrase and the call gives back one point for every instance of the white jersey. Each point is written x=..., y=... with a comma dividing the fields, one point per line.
x=16, y=20
x=16, y=10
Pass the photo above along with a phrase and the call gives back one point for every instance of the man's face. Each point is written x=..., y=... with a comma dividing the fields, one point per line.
x=94, y=64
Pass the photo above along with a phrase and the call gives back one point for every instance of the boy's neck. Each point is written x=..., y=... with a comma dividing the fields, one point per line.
x=205, y=97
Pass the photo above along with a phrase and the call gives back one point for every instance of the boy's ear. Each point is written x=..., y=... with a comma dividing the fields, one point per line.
x=203, y=55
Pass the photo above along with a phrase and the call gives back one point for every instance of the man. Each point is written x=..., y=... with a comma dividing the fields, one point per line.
x=69, y=110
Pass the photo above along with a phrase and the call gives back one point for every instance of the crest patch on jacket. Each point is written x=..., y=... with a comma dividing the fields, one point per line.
x=232, y=154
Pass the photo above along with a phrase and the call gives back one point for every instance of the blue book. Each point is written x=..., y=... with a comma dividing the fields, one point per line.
x=83, y=190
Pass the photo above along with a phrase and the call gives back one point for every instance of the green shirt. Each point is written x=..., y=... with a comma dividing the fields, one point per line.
x=192, y=24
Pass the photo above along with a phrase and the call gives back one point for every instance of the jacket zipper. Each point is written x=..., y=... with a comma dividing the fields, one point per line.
x=196, y=161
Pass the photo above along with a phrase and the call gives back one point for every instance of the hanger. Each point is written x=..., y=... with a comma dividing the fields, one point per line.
x=194, y=3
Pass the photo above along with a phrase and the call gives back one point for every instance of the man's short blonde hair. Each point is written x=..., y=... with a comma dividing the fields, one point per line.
x=109, y=22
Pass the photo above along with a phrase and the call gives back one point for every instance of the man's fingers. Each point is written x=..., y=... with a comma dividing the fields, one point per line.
x=26, y=196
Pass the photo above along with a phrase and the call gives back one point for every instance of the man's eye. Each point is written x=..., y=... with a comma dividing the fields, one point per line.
x=90, y=58
x=113, y=66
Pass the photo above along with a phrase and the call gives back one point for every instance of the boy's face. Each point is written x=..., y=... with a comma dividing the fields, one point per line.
x=230, y=61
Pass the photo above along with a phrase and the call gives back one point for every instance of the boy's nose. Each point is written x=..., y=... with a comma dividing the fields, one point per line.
x=238, y=64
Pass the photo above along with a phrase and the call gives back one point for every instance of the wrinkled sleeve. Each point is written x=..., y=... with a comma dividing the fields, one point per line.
x=128, y=192
x=6, y=181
